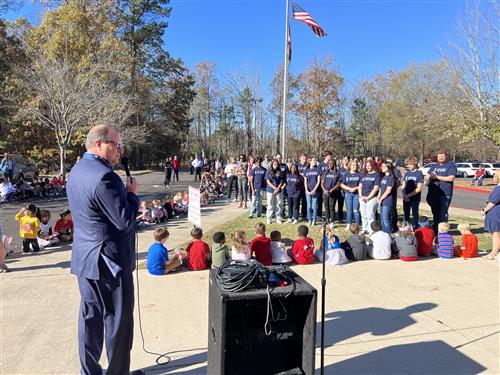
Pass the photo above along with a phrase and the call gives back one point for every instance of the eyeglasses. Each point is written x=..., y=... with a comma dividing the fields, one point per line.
x=117, y=144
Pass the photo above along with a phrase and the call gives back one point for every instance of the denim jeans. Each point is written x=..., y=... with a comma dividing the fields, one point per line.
x=440, y=210
x=256, y=203
x=385, y=218
x=312, y=206
x=368, y=210
x=412, y=206
x=352, y=205
x=293, y=208
x=273, y=205
x=243, y=188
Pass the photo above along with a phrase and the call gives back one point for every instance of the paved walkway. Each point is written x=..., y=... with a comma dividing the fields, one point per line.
x=433, y=316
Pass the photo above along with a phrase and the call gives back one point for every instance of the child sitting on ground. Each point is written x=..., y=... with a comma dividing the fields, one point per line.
x=303, y=247
x=444, y=248
x=240, y=249
x=46, y=237
x=158, y=213
x=64, y=227
x=335, y=255
x=220, y=251
x=278, y=250
x=379, y=246
x=144, y=217
x=29, y=226
x=425, y=237
x=158, y=259
x=405, y=243
x=468, y=249
x=260, y=247
x=198, y=251
x=355, y=246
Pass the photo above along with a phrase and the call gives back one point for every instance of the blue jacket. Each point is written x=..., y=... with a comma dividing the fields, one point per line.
x=104, y=219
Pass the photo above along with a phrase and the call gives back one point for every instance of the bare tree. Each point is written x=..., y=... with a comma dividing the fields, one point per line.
x=64, y=98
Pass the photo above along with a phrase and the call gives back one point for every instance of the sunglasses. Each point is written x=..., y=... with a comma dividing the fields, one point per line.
x=117, y=144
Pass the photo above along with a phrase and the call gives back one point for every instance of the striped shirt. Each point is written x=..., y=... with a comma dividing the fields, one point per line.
x=445, y=247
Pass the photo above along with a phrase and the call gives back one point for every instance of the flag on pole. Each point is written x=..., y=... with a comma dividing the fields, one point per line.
x=289, y=41
x=301, y=15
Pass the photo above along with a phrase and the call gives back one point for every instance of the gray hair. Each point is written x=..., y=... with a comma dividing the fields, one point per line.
x=98, y=132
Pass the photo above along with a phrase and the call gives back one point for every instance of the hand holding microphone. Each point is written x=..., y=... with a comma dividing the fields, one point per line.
x=132, y=186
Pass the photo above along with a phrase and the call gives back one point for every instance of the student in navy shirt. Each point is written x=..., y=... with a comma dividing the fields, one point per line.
x=350, y=184
x=312, y=180
x=340, y=192
x=368, y=190
x=274, y=187
x=301, y=166
x=322, y=167
x=283, y=172
x=440, y=190
x=330, y=185
x=412, y=184
x=294, y=186
x=257, y=186
x=386, y=198
x=397, y=183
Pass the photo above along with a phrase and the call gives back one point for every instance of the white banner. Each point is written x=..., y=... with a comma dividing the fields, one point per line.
x=194, y=211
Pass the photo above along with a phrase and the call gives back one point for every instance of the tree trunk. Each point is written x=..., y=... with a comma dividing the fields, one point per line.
x=62, y=159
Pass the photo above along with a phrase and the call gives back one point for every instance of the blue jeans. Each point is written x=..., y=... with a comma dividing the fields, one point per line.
x=412, y=206
x=352, y=204
x=256, y=203
x=312, y=205
x=273, y=205
x=385, y=218
x=368, y=211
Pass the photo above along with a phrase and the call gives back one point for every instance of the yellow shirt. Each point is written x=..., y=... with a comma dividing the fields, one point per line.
x=28, y=226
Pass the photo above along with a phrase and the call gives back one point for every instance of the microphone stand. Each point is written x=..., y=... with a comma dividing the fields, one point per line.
x=323, y=288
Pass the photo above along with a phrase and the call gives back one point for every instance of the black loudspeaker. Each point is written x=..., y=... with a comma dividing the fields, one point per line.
x=237, y=339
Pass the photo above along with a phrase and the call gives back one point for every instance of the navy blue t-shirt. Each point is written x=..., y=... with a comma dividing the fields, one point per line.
x=275, y=180
x=352, y=180
x=322, y=167
x=284, y=170
x=259, y=175
x=301, y=167
x=386, y=182
x=447, y=169
x=411, y=180
x=293, y=185
x=369, y=181
x=157, y=257
x=342, y=172
x=312, y=175
x=330, y=179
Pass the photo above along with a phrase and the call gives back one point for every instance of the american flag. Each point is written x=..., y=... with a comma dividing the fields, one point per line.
x=301, y=15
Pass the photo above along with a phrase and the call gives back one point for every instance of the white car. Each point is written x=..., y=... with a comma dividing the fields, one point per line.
x=490, y=168
x=467, y=169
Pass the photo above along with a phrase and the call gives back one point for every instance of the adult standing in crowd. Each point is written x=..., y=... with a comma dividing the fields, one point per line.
x=266, y=162
x=241, y=173
x=368, y=190
x=350, y=185
x=103, y=256
x=232, y=180
x=492, y=217
x=440, y=189
x=330, y=185
x=7, y=167
x=385, y=199
x=168, y=171
x=198, y=166
x=413, y=182
x=312, y=180
x=176, y=164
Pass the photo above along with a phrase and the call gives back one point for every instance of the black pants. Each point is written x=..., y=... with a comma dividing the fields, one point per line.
x=176, y=174
x=303, y=201
x=232, y=182
x=394, y=217
x=340, y=205
x=293, y=208
x=320, y=205
x=168, y=177
x=197, y=173
x=329, y=201
x=106, y=314
x=33, y=242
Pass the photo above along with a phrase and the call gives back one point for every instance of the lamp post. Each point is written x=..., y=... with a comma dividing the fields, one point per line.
x=254, y=143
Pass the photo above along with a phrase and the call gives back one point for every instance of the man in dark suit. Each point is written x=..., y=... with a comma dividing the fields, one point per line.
x=103, y=256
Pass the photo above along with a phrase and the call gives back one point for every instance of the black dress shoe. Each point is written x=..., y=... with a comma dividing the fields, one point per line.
x=138, y=372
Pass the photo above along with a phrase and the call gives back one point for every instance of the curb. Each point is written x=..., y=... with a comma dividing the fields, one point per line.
x=482, y=191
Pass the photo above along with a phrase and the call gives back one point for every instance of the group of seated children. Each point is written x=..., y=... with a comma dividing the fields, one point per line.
x=162, y=210
x=35, y=228
x=211, y=186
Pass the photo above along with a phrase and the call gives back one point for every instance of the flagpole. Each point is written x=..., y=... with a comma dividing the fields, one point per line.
x=285, y=86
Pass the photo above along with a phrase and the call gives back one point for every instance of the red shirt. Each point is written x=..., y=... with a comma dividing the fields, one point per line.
x=197, y=255
x=425, y=237
x=261, y=246
x=176, y=164
x=302, y=251
x=480, y=173
x=63, y=228
x=469, y=246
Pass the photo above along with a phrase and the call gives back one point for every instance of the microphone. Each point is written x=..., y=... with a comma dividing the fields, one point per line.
x=125, y=166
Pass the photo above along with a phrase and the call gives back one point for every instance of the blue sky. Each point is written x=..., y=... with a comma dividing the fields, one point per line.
x=364, y=37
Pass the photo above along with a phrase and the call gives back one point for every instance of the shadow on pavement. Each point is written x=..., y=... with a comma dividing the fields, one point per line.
x=176, y=365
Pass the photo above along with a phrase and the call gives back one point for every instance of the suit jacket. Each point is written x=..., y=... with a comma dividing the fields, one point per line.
x=104, y=219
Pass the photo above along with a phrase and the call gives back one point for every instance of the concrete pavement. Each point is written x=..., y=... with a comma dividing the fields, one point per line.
x=432, y=316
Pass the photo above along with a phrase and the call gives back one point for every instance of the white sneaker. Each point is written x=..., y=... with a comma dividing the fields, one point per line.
x=295, y=222
x=309, y=223
x=268, y=221
x=278, y=221
x=347, y=227
x=289, y=221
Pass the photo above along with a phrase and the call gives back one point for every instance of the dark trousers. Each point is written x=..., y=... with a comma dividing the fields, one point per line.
x=411, y=205
x=197, y=173
x=168, y=177
x=232, y=182
x=176, y=174
x=106, y=313
x=293, y=208
x=27, y=242
x=439, y=208
x=340, y=205
x=303, y=201
x=320, y=204
x=394, y=217
x=329, y=201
